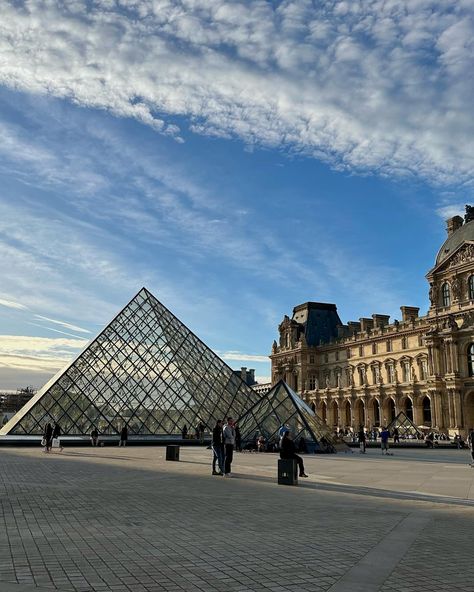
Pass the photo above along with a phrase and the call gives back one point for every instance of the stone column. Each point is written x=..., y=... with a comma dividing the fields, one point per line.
x=418, y=411
x=447, y=356
x=452, y=419
x=458, y=422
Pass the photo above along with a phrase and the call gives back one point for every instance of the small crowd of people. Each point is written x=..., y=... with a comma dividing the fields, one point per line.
x=226, y=438
x=384, y=436
x=51, y=433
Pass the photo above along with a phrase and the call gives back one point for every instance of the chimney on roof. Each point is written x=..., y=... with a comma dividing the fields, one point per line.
x=366, y=324
x=380, y=320
x=409, y=312
x=453, y=224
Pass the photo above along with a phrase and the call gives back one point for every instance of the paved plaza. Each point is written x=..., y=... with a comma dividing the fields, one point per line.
x=123, y=519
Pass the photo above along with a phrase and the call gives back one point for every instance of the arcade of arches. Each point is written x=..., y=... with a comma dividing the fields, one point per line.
x=365, y=372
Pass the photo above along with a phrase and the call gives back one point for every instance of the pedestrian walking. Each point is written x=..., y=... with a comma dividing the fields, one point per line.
x=123, y=436
x=238, y=438
x=384, y=436
x=228, y=433
x=218, y=448
x=288, y=451
x=362, y=440
x=48, y=437
x=470, y=441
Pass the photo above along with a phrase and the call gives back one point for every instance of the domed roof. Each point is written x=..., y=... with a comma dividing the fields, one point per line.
x=465, y=233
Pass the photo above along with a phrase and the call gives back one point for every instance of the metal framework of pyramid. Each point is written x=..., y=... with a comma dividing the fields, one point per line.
x=282, y=406
x=146, y=370
x=406, y=427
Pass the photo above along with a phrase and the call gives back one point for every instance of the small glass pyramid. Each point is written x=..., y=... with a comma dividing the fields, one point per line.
x=281, y=406
x=146, y=370
x=406, y=428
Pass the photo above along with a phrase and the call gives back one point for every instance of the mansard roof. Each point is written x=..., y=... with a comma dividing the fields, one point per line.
x=320, y=321
x=453, y=242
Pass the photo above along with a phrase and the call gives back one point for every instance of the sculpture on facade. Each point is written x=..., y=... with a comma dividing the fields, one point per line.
x=469, y=216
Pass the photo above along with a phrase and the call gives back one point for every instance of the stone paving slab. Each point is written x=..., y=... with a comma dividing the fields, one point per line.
x=112, y=519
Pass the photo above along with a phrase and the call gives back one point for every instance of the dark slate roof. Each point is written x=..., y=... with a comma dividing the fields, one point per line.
x=465, y=233
x=320, y=321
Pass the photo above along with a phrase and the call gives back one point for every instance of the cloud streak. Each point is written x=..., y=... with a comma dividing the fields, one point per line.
x=374, y=86
x=11, y=304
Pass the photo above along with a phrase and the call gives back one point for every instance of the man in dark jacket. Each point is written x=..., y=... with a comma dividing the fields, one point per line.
x=288, y=451
x=218, y=448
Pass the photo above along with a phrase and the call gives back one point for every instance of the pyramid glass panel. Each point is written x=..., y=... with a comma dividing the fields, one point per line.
x=282, y=406
x=406, y=428
x=145, y=370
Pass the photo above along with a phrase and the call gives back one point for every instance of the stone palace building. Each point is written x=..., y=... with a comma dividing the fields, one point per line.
x=365, y=372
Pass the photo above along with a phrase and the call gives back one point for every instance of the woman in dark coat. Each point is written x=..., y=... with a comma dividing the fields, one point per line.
x=48, y=436
x=288, y=451
x=123, y=436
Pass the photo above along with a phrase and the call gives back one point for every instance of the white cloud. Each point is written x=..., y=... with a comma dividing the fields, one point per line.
x=241, y=357
x=33, y=360
x=383, y=86
x=63, y=324
x=11, y=304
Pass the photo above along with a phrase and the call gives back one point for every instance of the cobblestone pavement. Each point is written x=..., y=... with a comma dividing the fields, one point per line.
x=115, y=519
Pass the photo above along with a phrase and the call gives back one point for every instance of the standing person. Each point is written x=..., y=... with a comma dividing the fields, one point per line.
x=362, y=440
x=288, y=451
x=384, y=436
x=218, y=448
x=48, y=437
x=184, y=432
x=57, y=434
x=201, y=428
x=123, y=436
x=238, y=438
x=94, y=437
x=228, y=433
x=396, y=435
x=470, y=441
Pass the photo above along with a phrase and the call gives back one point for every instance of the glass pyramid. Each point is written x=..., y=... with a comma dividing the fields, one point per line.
x=146, y=370
x=406, y=428
x=282, y=406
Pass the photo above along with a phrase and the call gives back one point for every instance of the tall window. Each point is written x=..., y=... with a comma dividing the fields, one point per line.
x=391, y=373
x=361, y=350
x=424, y=369
x=374, y=348
x=406, y=371
x=446, y=294
x=404, y=343
x=470, y=285
x=470, y=359
x=312, y=383
x=389, y=345
x=311, y=359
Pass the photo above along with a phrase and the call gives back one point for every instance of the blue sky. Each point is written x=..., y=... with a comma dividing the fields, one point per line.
x=237, y=159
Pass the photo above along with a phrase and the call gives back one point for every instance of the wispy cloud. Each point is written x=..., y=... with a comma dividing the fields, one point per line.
x=11, y=304
x=63, y=324
x=241, y=357
x=379, y=86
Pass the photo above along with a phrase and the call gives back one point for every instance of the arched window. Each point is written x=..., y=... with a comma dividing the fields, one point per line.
x=409, y=409
x=470, y=285
x=470, y=359
x=446, y=294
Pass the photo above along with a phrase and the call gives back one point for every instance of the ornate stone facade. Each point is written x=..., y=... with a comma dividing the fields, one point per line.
x=366, y=372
